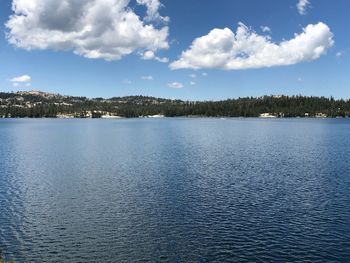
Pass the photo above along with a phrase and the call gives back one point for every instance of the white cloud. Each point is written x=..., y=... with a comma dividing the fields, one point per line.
x=147, y=77
x=302, y=5
x=97, y=29
x=265, y=29
x=148, y=55
x=192, y=83
x=21, y=79
x=163, y=60
x=245, y=49
x=175, y=85
x=339, y=54
x=152, y=10
x=193, y=76
x=300, y=79
x=204, y=74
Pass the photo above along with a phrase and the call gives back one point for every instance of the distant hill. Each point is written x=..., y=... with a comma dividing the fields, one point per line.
x=38, y=104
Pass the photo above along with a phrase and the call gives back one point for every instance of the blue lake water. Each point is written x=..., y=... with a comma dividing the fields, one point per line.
x=175, y=190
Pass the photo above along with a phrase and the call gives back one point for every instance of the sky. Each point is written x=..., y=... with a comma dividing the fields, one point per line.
x=185, y=49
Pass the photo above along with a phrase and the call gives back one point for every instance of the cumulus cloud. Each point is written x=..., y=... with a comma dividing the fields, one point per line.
x=147, y=77
x=245, y=49
x=98, y=29
x=192, y=83
x=21, y=79
x=302, y=5
x=175, y=85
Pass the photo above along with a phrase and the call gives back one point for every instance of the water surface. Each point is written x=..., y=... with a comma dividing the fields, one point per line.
x=175, y=190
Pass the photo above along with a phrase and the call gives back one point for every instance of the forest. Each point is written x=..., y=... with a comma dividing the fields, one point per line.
x=46, y=105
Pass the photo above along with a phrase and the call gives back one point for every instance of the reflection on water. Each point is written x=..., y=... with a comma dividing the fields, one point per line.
x=175, y=190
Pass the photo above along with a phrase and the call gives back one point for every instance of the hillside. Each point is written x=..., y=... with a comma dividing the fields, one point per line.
x=37, y=104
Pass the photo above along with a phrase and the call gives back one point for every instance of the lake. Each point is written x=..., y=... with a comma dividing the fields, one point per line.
x=175, y=190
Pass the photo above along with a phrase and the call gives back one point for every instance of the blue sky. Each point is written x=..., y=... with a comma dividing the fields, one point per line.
x=300, y=51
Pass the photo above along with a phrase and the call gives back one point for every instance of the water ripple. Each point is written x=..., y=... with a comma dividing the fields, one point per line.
x=175, y=190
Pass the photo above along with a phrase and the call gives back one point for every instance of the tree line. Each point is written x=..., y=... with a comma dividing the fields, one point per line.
x=135, y=106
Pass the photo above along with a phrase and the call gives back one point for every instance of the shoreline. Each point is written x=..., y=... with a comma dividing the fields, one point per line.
x=175, y=117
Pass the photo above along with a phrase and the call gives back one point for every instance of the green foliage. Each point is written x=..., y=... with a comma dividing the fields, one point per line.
x=39, y=104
